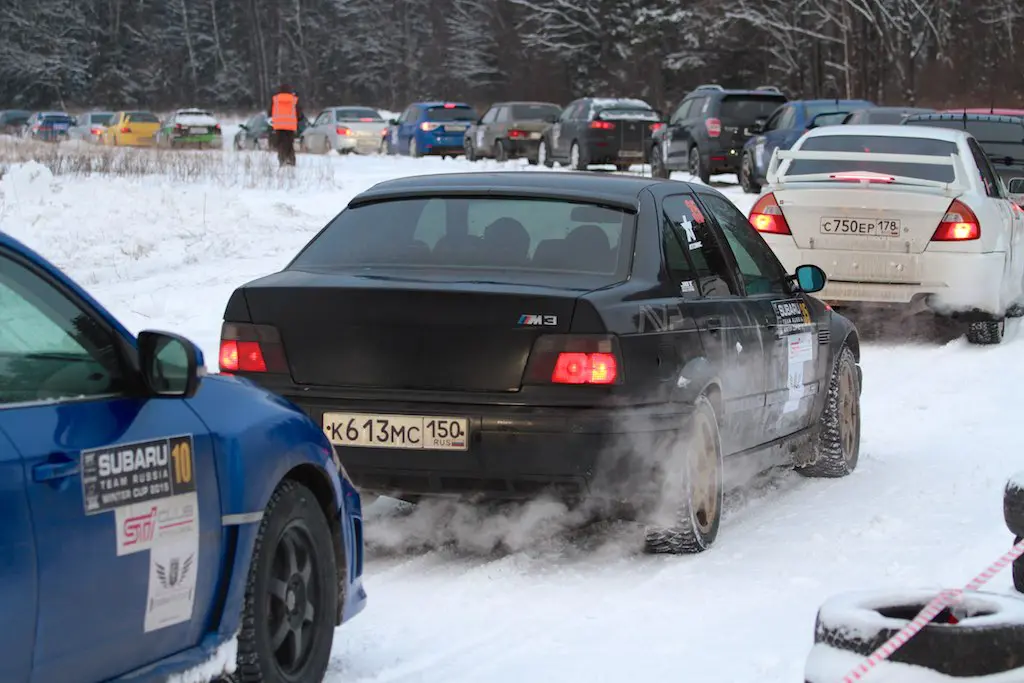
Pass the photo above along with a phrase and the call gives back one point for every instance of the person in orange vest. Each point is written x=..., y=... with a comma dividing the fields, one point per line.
x=285, y=114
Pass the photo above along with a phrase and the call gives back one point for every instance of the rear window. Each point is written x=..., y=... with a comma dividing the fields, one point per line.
x=515, y=236
x=55, y=118
x=534, y=112
x=878, y=144
x=743, y=110
x=451, y=114
x=357, y=114
x=101, y=119
x=142, y=117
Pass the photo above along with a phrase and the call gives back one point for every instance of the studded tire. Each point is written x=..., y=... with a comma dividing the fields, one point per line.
x=697, y=511
x=986, y=641
x=986, y=332
x=294, y=540
x=836, y=449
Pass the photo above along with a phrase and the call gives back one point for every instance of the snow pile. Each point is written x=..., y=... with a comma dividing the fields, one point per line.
x=27, y=184
x=223, y=661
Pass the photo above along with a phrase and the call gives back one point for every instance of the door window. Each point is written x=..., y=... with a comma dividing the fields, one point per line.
x=321, y=119
x=489, y=117
x=570, y=112
x=758, y=266
x=700, y=244
x=988, y=175
x=49, y=348
x=787, y=119
x=680, y=113
x=502, y=115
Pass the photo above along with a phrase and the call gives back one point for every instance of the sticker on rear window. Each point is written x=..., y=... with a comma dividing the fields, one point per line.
x=137, y=472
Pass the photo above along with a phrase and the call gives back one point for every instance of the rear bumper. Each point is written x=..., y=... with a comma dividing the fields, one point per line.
x=522, y=148
x=516, y=451
x=359, y=145
x=944, y=282
x=612, y=152
x=724, y=160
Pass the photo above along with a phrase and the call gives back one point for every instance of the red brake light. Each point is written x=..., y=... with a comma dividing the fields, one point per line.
x=126, y=129
x=585, y=368
x=515, y=134
x=97, y=131
x=602, y=125
x=714, y=127
x=344, y=131
x=367, y=119
x=862, y=177
x=657, y=126
x=449, y=106
x=245, y=347
x=958, y=225
x=766, y=216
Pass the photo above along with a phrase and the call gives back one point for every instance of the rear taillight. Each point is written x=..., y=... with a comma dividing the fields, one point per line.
x=574, y=359
x=178, y=126
x=958, y=225
x=518, y=134
x=245, y=347
x=656, y=127
x=602, y=125
x=344, y=131
x=216, y=127
x=429, y=125
x=366, y=120
x=862, y=177
x=97, y=131
x=766, y=216
x=713, y=126
x=126, y=129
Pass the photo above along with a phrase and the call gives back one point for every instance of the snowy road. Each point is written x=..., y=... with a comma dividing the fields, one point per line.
x=923, y=508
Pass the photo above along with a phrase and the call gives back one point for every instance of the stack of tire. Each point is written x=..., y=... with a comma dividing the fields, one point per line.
x=983, y=643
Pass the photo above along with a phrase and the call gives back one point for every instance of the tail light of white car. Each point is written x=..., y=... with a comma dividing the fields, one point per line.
x=766, y=216
x=344, y=131
x=958, y=225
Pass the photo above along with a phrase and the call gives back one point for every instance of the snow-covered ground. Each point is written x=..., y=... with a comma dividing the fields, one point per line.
x=922, y=510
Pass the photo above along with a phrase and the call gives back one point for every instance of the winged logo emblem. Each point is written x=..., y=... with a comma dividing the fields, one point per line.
x=175, y=572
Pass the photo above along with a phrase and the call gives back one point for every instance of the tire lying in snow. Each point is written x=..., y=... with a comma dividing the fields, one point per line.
x=1013, y=504
x=988, y=641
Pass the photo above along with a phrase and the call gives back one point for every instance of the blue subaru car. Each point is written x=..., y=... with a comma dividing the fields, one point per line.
x=430, y=128
x=154, y=519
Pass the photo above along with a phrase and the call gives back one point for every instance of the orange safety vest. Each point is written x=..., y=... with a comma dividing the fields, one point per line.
x=284, y=113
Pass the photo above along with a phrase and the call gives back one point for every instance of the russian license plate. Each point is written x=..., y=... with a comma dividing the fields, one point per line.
x=397, y=431
x=535, y=136
x=867, y=227
x=197, y=131
x=455, y=128
x=631, y=154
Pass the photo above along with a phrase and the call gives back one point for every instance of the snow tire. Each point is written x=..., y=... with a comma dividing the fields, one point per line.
x=747, y=182
x=658, y=168
x=693, y=533
x=986, y=332
x=836, y=449
x=1013, y=504
x=985, y=642
x=295, y=525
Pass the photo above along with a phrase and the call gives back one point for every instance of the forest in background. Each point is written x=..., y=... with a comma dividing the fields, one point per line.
x=231, y=54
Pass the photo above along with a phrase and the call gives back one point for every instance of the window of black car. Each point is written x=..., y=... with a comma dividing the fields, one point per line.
x=1003, y=141
x=988, y=175
x=456, y=113
x=761, y=271
x=49, y=348
x=357, y=114
x=697, y=240
x=743, y=110
x=880, y=144
x=534, y=112
x=448, y=235
x=142, y=117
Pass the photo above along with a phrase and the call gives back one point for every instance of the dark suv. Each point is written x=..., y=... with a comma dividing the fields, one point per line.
x=708, y=129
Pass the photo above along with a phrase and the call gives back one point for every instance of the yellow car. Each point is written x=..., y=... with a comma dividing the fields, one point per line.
x=131, y=129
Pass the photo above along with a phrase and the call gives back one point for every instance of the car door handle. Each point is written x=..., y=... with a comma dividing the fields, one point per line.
x=52, y=471
x=713, y=324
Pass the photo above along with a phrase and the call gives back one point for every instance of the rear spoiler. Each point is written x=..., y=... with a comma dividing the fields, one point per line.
x=780, y=180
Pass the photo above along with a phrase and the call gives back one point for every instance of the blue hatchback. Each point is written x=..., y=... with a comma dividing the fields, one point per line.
x=431, y=128
x=151, y=517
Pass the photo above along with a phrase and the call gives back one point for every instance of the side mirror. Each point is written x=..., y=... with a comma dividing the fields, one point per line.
x=810, y=278
x=243, y=126
x=757, y=127
x=1016, y=186
x=392, y=122
x=171, y=365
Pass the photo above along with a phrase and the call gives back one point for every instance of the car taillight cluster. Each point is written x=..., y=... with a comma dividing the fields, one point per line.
x=518, y=134
x=344, y=131
x=574, y=359
x=959, y=224
x=126, y=129
x=429, y=125
x=602, y=125
x=767, y=217
x=713, y=126
x=245, y=347
x=97, y=131
x=656, y=127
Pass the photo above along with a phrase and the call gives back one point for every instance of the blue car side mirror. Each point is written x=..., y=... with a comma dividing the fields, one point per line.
x=171, y=365
x=810, y=278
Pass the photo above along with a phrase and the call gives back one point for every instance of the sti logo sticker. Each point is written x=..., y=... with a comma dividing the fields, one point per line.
x=546, y=320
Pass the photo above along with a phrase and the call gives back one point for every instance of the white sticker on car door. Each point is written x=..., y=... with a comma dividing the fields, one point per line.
x=173, y=566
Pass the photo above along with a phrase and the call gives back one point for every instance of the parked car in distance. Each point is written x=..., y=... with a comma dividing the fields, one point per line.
x=89, y=127
x=882, y=115
x=190, y=128
x=706, y=133
x=256, y=133
x=48, y=126
x=434, y=128
x=903, y=219
x=131, y=129
x=344, y=130
x=598, y=131
x=510, y=130
x=783, y=128
x=156, y=517
x=12, y=121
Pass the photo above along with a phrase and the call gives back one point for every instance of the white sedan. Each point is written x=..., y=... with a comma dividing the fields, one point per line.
x=899, y=217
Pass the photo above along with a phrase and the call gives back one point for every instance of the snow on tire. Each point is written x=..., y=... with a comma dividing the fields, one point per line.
x=1013, y=504
x=987, y=641
x=837, y=447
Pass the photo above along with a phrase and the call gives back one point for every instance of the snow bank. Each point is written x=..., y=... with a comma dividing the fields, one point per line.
x=1016, y=482
x=222, y=662
x=826, y=664
x=26, y=184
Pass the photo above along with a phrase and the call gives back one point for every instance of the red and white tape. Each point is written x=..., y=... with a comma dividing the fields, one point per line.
x=947, y=598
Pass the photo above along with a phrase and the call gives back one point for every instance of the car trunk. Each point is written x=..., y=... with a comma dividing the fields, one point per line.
x=365, y=130
x=882, y=230
x=532, y=129
x=401, y=335
x=630, y=128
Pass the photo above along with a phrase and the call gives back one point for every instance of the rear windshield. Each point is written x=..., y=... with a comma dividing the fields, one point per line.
x=743, y=110
x=534, y=112
x=1003, y=141
x=451, y=114
x=515, y=236
x=627, y=114
x=357, y=114
x=142, y=117
x=101, y=119
x=55, y=118
x=878, y=144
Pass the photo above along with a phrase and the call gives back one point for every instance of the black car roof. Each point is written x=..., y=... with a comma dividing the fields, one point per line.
x=946, y=116
x=602, y=188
